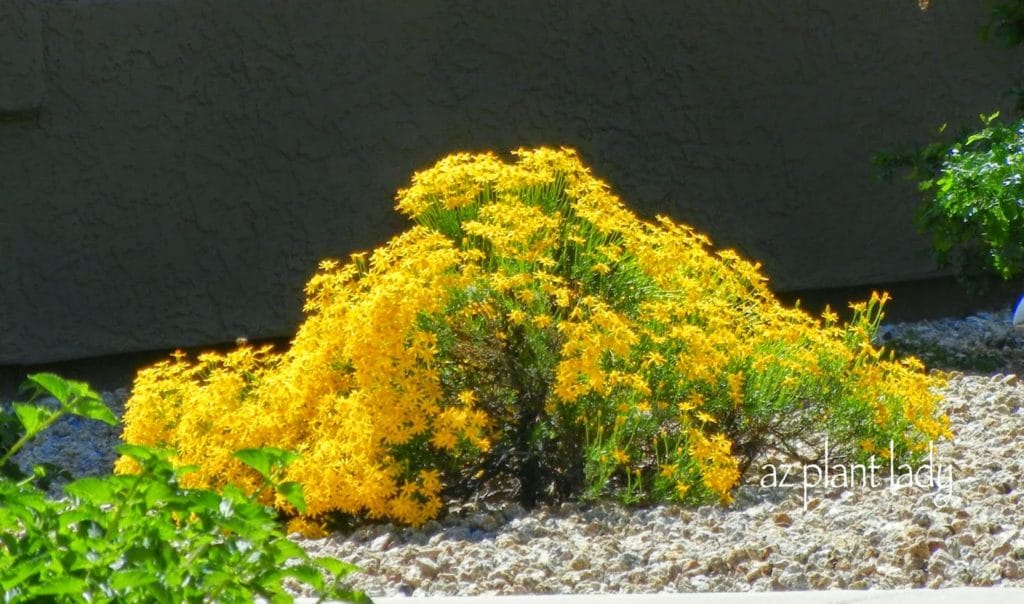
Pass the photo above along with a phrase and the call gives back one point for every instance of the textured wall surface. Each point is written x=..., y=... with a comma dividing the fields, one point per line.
x=21, y=54
x=172, y=170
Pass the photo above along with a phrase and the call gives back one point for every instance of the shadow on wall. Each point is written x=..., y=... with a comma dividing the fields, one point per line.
x=110, y=372
x=184, y=165
x=912, y=301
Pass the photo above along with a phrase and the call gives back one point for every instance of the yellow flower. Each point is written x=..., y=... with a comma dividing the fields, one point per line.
x=525, y=296
x=705, y=417
x=383, y=359
x=431, y=480
x=653, y=358
x=735, y=381
x=444, y=439
x=882, y=298
x=307, y=527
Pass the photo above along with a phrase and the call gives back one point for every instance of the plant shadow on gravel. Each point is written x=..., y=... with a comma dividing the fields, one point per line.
x=992, y=354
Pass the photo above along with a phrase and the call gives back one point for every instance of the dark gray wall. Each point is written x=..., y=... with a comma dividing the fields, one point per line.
x=171, y=170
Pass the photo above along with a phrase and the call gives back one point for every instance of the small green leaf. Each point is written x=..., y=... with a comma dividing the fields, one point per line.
x=337, y=567
x=93, y=408
x=285, y=550
x=257, y=459
x=94, y=490
x=60, y=586
x=75, y=515
x=266, y=460
x=141, y=556
x=54, y=385
x=33, y=417
x=157, y=492
x=202, y=501
x=292, y=492
x=144, y=454
x=310, y=575
x=21, y=572
x=128, y=579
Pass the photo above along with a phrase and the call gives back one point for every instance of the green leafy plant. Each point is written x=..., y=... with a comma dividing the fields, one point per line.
x=973, y=206
x=977, y=214
x=27, y=419
x=143, y=537
x=974, y=203
x=1006, y=23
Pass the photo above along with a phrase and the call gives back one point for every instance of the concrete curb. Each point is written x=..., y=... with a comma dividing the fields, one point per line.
x=956, y=595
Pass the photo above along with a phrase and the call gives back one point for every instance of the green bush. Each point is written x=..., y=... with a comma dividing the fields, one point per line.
x=977, y=214
x=532, y=335
x=974, y=203
x=144, y=538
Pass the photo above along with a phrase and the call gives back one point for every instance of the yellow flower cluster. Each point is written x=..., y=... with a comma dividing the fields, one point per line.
x=530, y=308
x=358, y=379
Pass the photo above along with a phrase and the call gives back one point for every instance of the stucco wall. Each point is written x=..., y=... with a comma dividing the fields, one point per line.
x=171, y=170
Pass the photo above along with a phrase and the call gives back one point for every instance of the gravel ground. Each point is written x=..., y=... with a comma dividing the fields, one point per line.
x=983, y=343
x=967, y=528
x=963, y=526
x=80, y=446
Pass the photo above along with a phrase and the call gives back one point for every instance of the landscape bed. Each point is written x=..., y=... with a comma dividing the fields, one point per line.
x=965, y=530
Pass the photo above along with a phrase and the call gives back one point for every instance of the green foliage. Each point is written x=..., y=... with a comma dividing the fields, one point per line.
x=977, y=216
x=28, y=420
x=533, y=338
x=1006, y=23
x=918, y=162
x=973, y=206
x=145, y=538
x=1006, y=28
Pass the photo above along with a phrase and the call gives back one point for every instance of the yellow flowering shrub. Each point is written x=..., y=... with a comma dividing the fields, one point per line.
x=530, y=330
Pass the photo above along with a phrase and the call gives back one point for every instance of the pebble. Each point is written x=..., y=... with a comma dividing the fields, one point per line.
x=856, y=539
x=864, y=538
